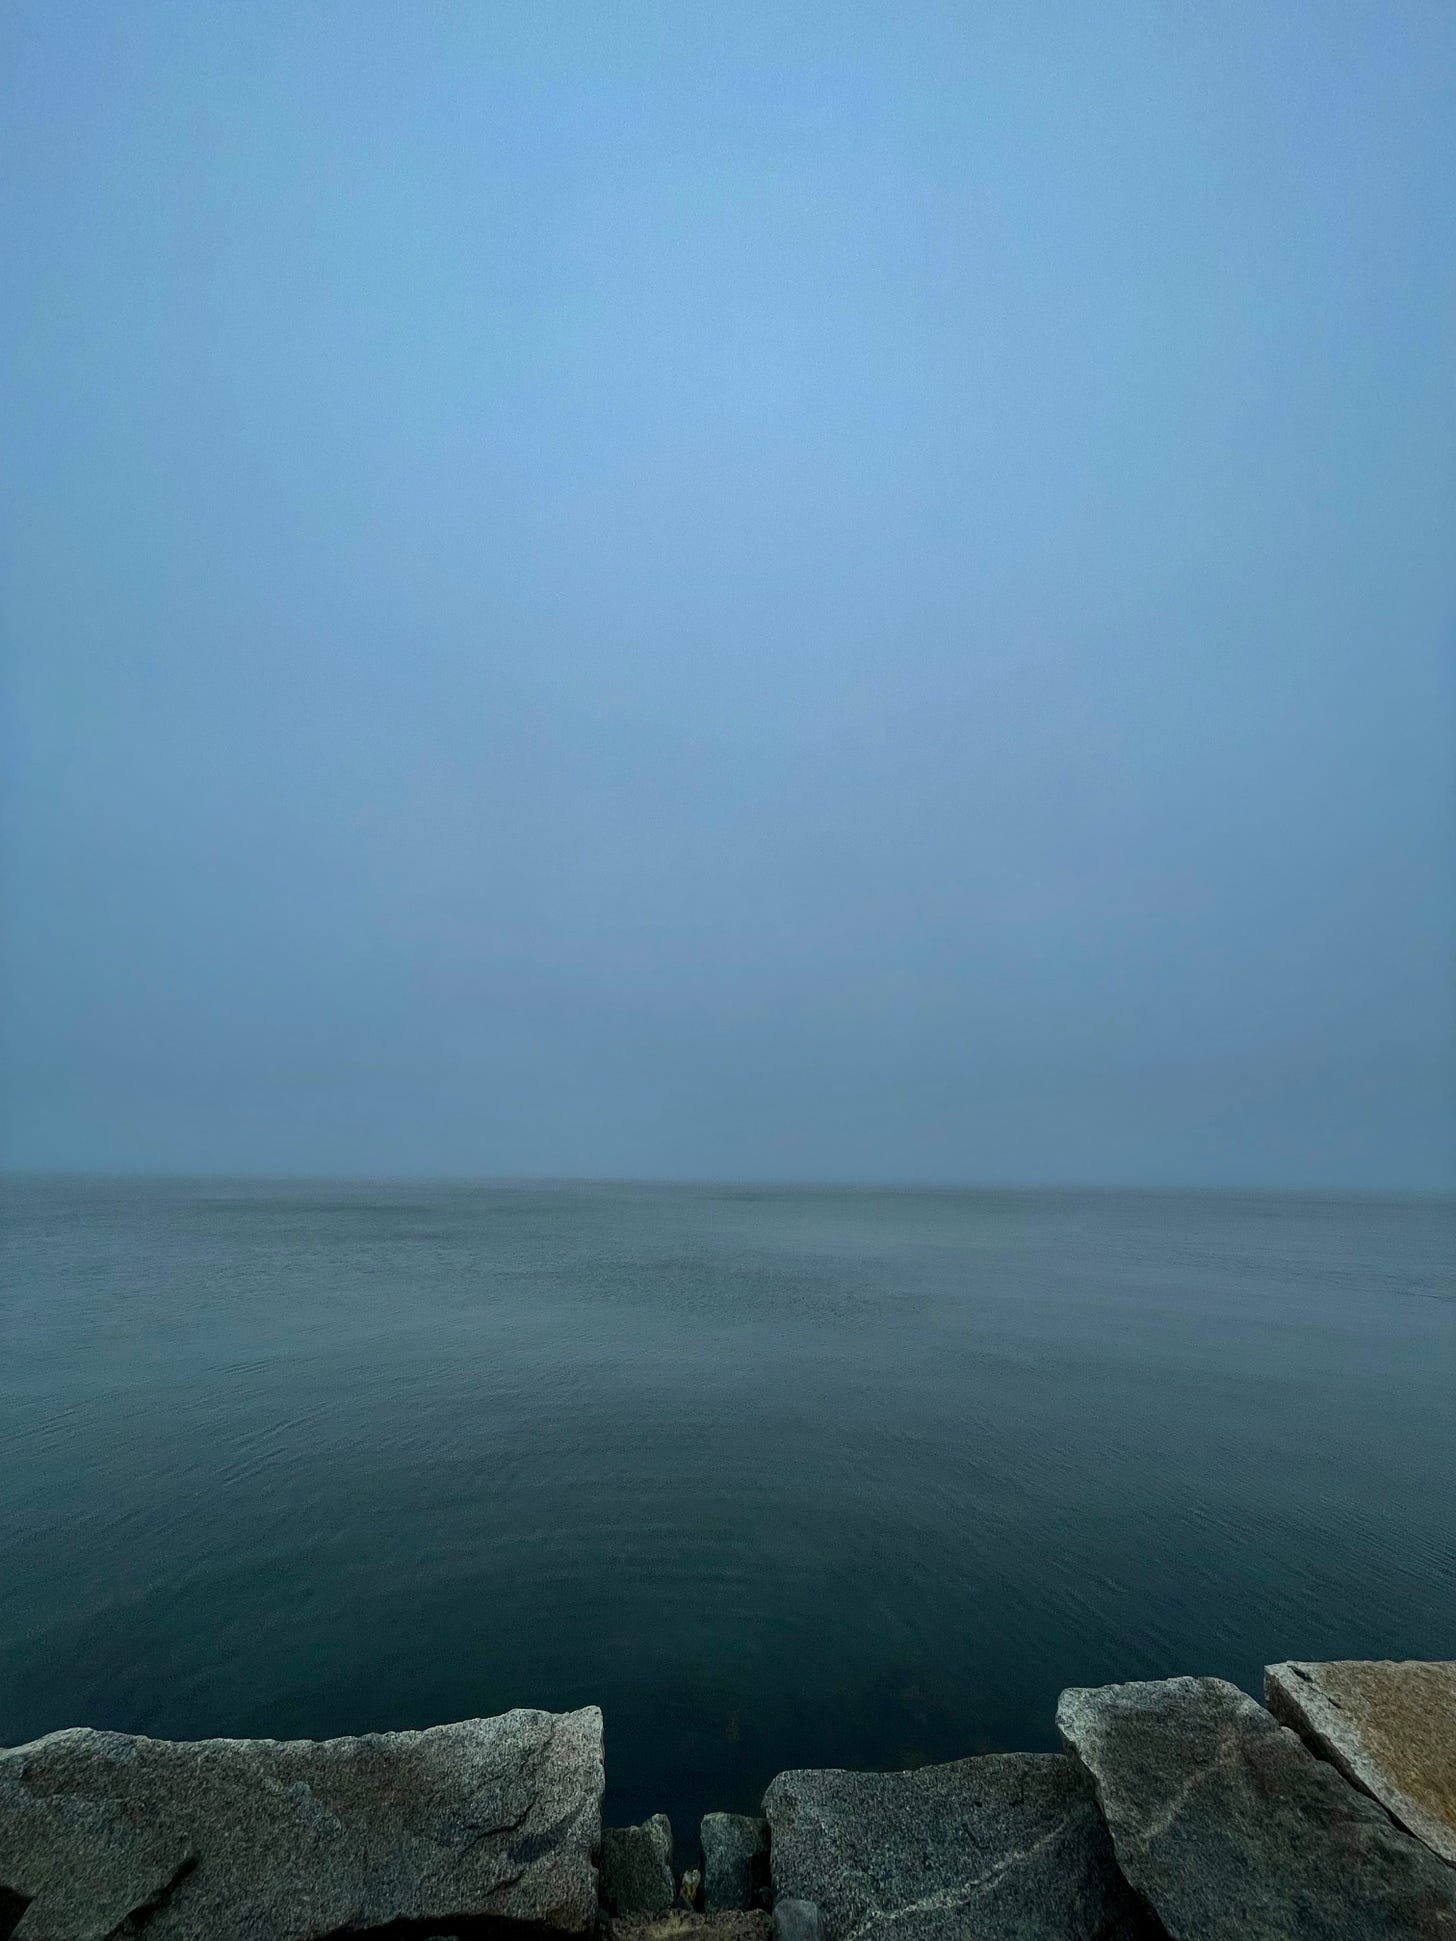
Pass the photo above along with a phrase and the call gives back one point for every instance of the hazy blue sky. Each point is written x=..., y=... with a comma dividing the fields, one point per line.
x=706, y=588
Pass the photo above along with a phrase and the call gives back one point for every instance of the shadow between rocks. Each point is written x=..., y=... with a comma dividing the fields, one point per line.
x=12, y=1906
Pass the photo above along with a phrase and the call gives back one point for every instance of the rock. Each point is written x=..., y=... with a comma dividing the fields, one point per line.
x=637, y=1875
x=1232, y=1831
x=1391, y=1728
x=735, y=1861
x=222, y=1839
x=1009, y=1846
x=797, y=1921
x=681, y=1924
x=690, y=1887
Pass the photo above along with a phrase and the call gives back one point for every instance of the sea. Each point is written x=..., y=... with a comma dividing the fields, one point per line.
x=777, y=1477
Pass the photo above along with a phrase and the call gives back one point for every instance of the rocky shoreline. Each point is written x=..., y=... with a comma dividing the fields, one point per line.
x=1180, y=1808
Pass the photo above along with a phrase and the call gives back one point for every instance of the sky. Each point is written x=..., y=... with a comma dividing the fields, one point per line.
x=730, y=590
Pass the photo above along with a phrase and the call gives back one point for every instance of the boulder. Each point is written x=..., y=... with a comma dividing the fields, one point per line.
x=1391, y=1728
x=1009, y=1846
x=221, y=1839
x=797, y=1921
x=735, y=1861
x=1233, y=1831
x=683, y=1924
x=637, y=1877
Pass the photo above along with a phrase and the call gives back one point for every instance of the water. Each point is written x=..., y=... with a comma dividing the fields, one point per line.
x=776, y=1477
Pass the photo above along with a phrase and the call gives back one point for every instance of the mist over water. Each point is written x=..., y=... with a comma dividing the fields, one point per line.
x=729, y=592
x=777, y=1477
x=713, y=592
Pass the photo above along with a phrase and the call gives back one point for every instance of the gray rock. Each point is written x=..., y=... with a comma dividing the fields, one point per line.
x=735, y=1861
x=637, y=1875
x=1391, y=1728
x=271, y=1840
x=690, y=1887
x=682, y=1924
x=1233, y=1831
x=1009, y=1846
x=797, y=1921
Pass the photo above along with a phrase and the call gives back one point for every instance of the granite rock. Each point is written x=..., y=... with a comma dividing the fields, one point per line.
x=1233, y=1831
x=221, y=1839
x=682, y=1924
x=1009, y=1846
x=735, y=1861
x=1389, y=1727
x=797, y=1921
x=637, y=1877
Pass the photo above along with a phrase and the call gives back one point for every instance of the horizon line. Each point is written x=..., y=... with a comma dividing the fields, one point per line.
x=702, y=1182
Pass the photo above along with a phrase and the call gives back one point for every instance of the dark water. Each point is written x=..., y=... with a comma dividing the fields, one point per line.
x=778, y=1478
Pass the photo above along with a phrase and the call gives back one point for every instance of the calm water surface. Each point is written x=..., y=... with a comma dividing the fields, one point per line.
x=776, y=1477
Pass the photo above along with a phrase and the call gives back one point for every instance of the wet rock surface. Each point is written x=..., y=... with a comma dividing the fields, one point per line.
x=102, y=1833
x=735, y=1861
x=1233, y=1831
x=1389, y=1727
x=637, y=1877
x=1009, y=1846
